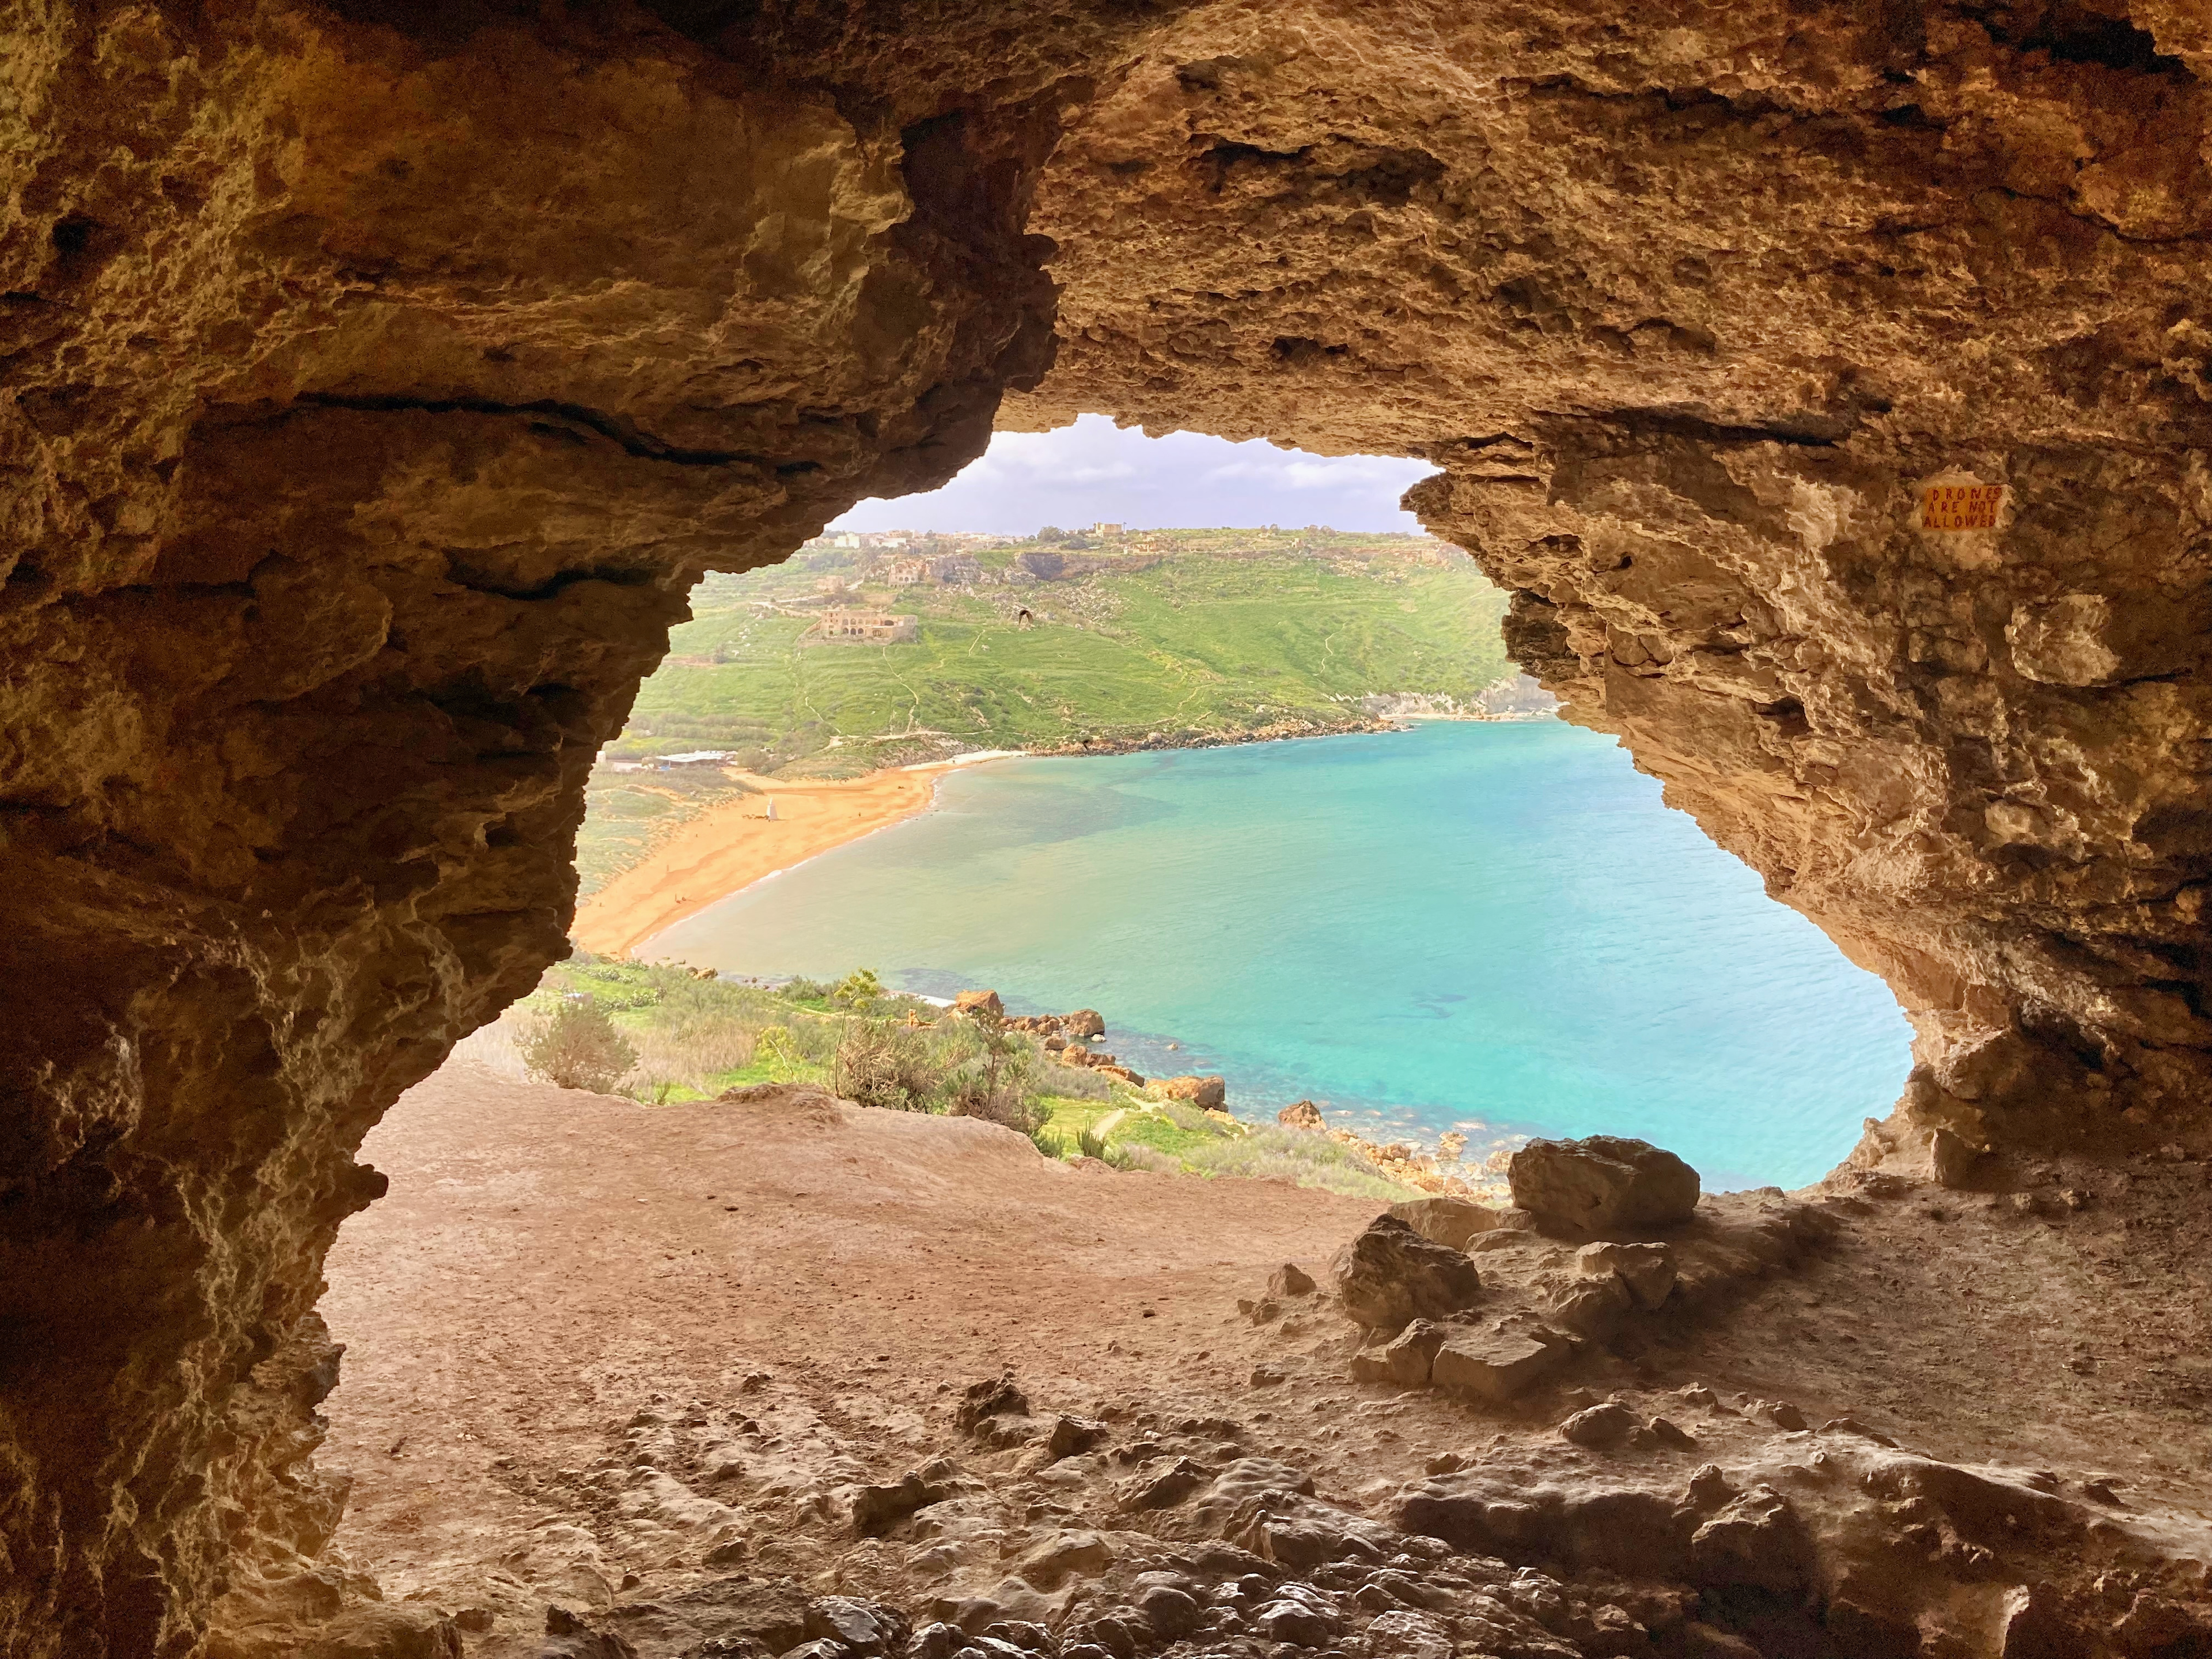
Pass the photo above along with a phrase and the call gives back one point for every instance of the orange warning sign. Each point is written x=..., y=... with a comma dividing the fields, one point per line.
x=1961, y=506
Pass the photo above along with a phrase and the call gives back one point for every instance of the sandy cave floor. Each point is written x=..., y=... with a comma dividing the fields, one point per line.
x=552, y=1269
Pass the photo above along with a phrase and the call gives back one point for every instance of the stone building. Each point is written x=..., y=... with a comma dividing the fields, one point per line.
x=876, y=627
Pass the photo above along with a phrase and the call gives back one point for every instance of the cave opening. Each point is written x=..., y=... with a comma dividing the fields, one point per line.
x=1828, y=387
x=1551, y=953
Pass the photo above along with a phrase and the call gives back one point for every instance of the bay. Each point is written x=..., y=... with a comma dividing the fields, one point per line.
x=1498, y=927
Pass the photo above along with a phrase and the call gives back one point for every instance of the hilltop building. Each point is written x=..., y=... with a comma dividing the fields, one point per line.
x=948, y=568
x=876, y=627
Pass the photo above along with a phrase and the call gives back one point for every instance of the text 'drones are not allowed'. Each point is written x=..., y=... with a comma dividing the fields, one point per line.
x=1954, y=507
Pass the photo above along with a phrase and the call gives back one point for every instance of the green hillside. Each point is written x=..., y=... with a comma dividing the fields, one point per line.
x=1169, y=637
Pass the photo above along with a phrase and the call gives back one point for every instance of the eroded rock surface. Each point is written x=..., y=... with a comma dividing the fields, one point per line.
x=378, y=377
x=1689, y=305
x=1848, y=1442
x=1602, y=1184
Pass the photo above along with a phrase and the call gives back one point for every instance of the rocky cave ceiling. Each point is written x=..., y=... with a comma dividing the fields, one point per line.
x=379, y=378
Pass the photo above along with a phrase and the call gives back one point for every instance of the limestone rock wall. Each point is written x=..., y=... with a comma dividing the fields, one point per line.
x=373, y=397
x=1688, y=305
x=378, y=377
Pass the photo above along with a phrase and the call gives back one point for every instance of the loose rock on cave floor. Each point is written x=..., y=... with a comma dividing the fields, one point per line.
x=868, y=1385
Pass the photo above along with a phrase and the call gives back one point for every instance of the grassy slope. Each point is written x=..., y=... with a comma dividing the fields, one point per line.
x=1233, y=631
x=696, y=1037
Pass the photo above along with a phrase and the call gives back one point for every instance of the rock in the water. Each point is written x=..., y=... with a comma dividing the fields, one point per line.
x=1602, y=1184
x=1207, y=1093
x=1454, y=1222
x=1301, y=1115
x=1390, y=1274
x=1084, y=1022
x=970, y=1002
x=1648, y=1270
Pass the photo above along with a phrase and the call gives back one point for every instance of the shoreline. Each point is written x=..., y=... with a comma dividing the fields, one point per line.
x=730, y=848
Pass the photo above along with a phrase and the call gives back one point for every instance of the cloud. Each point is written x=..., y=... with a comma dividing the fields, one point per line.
x=1094, y=471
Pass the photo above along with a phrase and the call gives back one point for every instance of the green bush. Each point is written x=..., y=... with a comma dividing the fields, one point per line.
x=860, y=991
x=880, y=1064
x=578, y=1046
x=991, y=1080
x=1072, y=1082
x=1268, y=1153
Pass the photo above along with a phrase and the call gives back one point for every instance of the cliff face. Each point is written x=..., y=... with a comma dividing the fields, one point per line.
x=378, y=377
x=373, y=400
x=1692, y=309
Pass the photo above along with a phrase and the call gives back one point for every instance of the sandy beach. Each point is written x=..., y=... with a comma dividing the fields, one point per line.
x=732, y=846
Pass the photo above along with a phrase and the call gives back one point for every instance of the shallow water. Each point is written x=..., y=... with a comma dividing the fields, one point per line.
x=1498, y=927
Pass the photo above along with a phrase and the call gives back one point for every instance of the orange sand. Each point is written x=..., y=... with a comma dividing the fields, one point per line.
x=734, y=845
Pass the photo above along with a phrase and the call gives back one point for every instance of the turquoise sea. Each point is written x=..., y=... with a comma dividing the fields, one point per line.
x=1493, y=927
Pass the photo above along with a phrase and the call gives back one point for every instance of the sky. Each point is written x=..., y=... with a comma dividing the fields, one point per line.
x=1093, y=471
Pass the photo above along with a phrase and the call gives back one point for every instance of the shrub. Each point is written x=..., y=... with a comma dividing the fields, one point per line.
x=1072, y=1082
x=879, y=1064
x=579, y=1046
x=993, y=1083
x=773, y=1046
x=1191, y=1118
x=693, y=1051
x=1267, y=1153
x=1138, y=1156
x=860, y=991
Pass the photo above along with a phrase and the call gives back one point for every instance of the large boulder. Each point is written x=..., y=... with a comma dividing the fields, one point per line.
x=1453, y=1222
x=1207, y=1093
x=1390, y=1276
x=1494, y=1365
x=1301, y=1115
x=1603, y=1184
x=983, y=1002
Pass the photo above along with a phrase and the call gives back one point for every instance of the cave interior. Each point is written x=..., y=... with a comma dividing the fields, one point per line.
x=1828, y=384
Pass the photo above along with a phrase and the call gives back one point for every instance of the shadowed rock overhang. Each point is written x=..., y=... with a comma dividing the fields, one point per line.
x=379, y=378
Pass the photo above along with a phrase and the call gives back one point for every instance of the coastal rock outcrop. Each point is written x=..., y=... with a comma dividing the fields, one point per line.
x=1833, y=387
x=1302, y=1114
x=1209, y=1094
